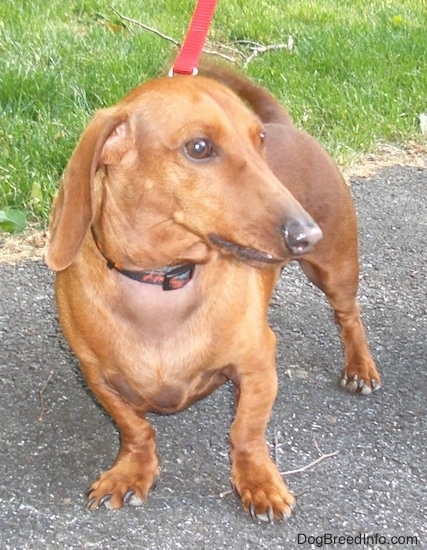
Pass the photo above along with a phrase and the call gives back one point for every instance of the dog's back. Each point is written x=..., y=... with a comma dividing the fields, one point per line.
x=259, y=99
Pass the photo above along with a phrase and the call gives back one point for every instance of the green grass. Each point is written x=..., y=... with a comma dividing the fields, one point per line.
x=356, y=78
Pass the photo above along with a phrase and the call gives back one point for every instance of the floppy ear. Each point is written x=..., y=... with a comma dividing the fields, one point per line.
x=103, y=142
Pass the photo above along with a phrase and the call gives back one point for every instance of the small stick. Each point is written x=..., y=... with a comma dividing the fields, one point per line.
x=166, y=37
x=255, y=47
x=262, y=49
x=317, y=446
x=223, y=55
x=41, y=392
x=296, y=471
x=146, y=27
x=308, y=466
x=227, y=47
x=249, y=43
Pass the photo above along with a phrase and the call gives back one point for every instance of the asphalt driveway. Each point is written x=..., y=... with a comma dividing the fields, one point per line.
x=55, y=439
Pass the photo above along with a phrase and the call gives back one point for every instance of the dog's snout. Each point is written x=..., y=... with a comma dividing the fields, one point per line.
x=300, y=237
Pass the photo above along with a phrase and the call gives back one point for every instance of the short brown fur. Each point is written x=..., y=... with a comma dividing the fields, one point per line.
x=144, y=349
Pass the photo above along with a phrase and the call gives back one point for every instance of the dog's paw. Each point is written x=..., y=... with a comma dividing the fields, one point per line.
x=264, y=494
x=120, y=486
x=363, y=378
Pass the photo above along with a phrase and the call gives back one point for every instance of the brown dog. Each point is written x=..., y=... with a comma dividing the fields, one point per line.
x=175, y=216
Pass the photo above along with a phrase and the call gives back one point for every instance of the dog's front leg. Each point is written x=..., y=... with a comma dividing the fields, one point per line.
x=136, y=468
x=254, y=476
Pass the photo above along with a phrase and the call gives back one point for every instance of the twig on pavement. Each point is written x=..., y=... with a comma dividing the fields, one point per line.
x=308, y=466
x=322, y=457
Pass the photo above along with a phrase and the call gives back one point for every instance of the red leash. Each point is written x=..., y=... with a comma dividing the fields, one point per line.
x=191, y=49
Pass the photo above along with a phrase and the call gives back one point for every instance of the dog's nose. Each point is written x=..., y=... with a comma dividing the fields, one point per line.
x=300, y=237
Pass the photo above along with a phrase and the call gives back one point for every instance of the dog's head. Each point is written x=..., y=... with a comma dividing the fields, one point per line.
x=175, y=171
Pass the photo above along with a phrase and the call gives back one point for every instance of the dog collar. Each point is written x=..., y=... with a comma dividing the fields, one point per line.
x=169, y=278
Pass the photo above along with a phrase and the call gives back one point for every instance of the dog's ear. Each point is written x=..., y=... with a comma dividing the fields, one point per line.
x=104, y=141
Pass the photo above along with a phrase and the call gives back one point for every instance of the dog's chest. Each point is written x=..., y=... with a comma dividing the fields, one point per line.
x=157, y=315
x=158, y=391
x=163, y=356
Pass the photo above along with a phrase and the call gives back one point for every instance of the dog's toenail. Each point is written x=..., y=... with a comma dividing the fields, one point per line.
x=104, y=500
x=352, y=386
x=90, y=503
x=251, y=510
x=268, y=517
x=375, y=385
x=366, y=390
x=129, y=494
x=134, y=500
x=154, y=484
x=286, y=515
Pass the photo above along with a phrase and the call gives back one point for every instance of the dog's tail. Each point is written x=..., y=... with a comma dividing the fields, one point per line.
x=261, y=101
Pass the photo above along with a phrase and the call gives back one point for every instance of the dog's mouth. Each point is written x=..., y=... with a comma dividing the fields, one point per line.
x=245, y=253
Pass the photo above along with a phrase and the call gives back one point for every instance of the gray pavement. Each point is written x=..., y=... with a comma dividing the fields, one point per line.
x=375, y=485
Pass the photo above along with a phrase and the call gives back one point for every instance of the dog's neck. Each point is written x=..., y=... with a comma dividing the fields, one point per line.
x=169, y=278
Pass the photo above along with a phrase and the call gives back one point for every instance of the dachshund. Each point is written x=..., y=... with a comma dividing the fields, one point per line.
x=177, y=212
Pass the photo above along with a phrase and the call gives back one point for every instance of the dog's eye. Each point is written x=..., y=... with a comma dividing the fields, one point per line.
x=199, y=149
